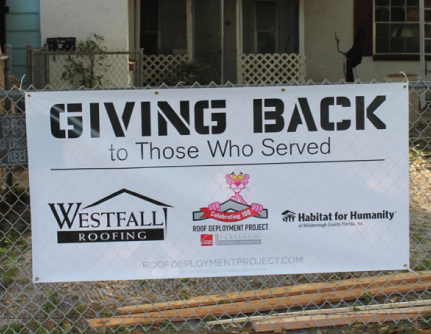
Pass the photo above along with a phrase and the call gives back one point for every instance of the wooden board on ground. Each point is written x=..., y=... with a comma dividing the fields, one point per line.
x=262, y=305
x=311, y=321
x=411, y=304
x=277, y=292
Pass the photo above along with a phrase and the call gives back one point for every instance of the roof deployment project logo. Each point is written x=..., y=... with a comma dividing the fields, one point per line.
x=236, y=208
x=106, y=220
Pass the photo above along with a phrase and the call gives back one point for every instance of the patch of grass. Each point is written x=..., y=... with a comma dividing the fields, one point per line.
x=81, y=309
x=425, y=264
x=16, y=195
x=106, y=313
x=184, y=294
x=52, y=302
x=368, y=298
x=166, y=323
x=117, y=330
x=425, y=319
x=419, y=238
x=12, y=329
x=400, y=329
x=48, y=307
x=47, y=327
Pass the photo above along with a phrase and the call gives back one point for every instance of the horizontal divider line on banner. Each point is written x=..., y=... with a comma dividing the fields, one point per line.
x=215, y=165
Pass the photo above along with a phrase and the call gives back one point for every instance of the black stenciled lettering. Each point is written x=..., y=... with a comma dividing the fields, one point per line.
x=218, y=118
x=95, y=120
x=369, y=112
x=200, y=107
x=166, y=111
x=118, y=125
x=325, y=122
x=55, y=112
x=377, y=122
x=296, y=117
x=274, y=109
x=360, y=113
x=74, y=121
x=275, y=115
x=146, y=119
x=257, y=116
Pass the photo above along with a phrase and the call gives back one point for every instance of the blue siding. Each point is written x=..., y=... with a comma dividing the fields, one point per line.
x=26, y=6
x=22, y=29
x=27, y=22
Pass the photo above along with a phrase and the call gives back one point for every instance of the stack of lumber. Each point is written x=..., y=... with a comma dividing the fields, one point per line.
x=264, y=300
x=343, y=316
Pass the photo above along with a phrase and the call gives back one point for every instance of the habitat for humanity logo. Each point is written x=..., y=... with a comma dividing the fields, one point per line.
x=234, y=209
x=288, y=216
x=137, y=218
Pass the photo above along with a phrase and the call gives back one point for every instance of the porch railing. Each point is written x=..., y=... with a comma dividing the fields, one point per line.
x=47, y=68
x=252, y=68
x=274, y=68
x=156, y=68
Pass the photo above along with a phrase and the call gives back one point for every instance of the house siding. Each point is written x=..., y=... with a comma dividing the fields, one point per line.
x=81, y=18
x=22, y=29
x=323, y=18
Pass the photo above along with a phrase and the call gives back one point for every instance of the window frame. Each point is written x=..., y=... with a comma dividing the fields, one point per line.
x=392, y=23
x=364, y=17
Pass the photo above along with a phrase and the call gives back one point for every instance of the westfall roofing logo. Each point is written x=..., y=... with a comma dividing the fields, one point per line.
x=119, y=217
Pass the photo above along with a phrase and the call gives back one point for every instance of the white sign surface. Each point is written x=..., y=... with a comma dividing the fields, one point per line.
x=144, y=184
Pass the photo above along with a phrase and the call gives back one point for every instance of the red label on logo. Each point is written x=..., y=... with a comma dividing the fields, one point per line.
x=229, y=216
x=207, y=240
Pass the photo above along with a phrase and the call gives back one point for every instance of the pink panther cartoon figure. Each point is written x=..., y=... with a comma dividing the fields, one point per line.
x=237, y=183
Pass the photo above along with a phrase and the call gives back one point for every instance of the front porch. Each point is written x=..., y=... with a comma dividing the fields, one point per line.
x=237, y=41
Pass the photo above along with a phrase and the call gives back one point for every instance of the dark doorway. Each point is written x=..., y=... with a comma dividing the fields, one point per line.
x=3, y=10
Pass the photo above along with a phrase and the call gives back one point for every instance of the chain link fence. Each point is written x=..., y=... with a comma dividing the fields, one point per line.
x=88, y=69
x=206, y=304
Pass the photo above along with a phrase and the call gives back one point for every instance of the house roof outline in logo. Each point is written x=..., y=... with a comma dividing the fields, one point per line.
x=131, y=193
x=134, y=194
x=288, y=216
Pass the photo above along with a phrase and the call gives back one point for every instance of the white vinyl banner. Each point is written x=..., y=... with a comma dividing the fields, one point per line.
x=145, y=184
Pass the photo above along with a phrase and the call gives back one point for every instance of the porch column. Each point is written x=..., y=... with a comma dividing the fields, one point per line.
x=222, y=41
x=190, y=39
x=239, y=34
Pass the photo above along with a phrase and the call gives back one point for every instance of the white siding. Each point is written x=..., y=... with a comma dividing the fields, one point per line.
x=81, y=18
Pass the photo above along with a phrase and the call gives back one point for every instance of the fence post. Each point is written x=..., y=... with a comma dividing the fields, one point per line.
x=8, y=69
x=30, y=65
x=138, y=70
x=47, y=68
x=8, y=102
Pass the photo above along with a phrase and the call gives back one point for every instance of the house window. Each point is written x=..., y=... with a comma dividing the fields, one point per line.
x=149, y=37
x=396, y=27
x=266, y=26
x=163, y=27
x=270, y=26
